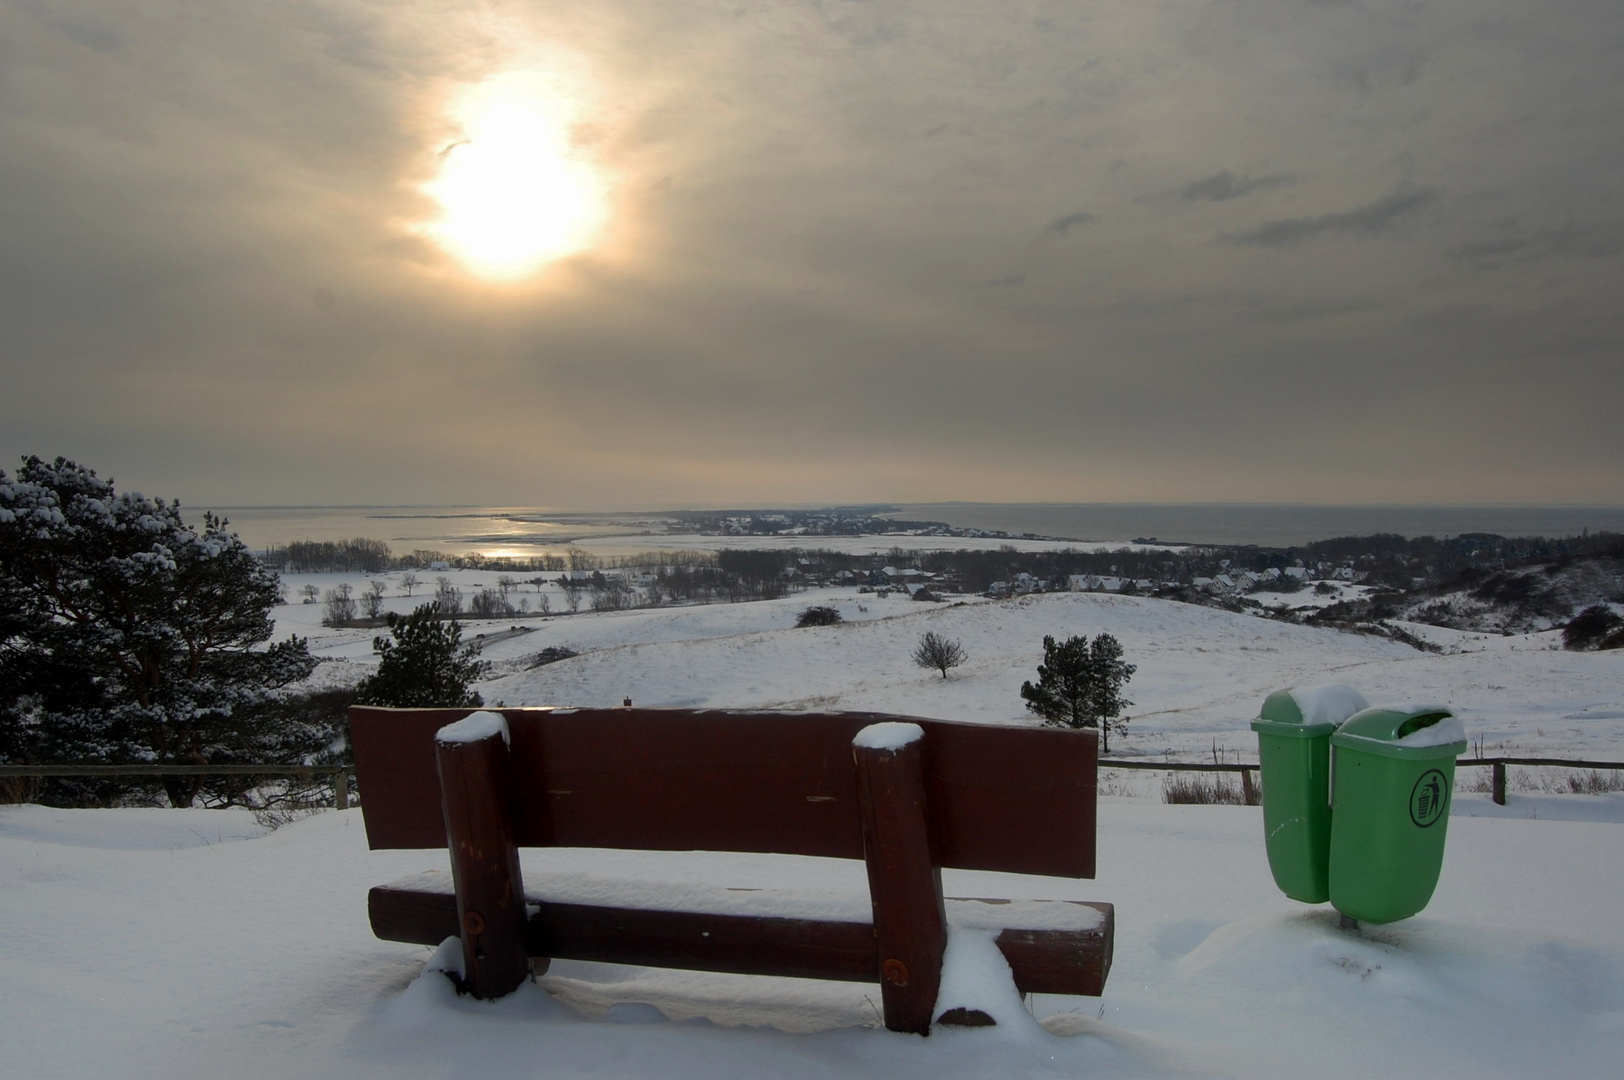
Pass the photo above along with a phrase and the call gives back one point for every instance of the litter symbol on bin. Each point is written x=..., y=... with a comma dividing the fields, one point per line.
x=1429, y=798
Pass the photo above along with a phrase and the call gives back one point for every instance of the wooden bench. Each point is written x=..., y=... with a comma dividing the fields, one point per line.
x=968, y=796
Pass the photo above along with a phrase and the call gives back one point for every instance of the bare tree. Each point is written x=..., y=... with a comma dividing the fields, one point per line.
x=936, y=651
x=340, y=605
x=310, y=593
x=448, y=596
x=408, y=582
x=489, y=602
x=372, y=599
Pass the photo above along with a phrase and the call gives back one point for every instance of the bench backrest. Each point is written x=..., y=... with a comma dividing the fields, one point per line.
x=1003, y=798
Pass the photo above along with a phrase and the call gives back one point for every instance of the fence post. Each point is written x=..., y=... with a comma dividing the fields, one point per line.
x=1500, y=783
x=1249, y=788
x=341, y=789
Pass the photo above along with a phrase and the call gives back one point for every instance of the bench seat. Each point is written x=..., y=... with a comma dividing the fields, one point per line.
x=1052, y=946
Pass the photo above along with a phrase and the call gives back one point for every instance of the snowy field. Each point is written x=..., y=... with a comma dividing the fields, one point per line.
x=164, y=943
x=1202, y=674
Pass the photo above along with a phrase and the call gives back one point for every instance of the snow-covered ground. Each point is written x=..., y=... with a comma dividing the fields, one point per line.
x=1202, y=672
x=164, y=943
x=168, y=943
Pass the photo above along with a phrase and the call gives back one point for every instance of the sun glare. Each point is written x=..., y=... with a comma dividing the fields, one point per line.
x=514, y=196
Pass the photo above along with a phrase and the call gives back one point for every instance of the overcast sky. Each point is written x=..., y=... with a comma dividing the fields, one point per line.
x=1130, y=250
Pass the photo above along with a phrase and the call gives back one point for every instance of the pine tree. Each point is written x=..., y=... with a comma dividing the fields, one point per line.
x=130, y=637
x=424, y=666
x=1080, y=685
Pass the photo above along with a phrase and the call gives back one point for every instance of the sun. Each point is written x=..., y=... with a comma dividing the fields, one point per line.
x=514, y=195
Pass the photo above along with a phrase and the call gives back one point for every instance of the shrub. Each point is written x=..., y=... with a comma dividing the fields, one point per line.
x=552, y=654
x=1596, y=627
x=1201, y=788
x=819, y=615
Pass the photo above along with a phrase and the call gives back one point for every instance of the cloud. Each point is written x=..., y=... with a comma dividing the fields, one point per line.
x=1062, y=225
x=1309, y=310
x=210, y=282
x=1372, y=219
x=1593, y=241
x=1225, y=185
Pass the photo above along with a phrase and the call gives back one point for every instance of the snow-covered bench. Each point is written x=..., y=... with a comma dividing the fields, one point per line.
x=907, y=796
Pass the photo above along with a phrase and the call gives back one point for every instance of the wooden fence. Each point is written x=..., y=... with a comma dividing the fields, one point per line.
x=339, y=773
x=1246, y=769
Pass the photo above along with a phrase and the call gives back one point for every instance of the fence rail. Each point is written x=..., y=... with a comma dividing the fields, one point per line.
x=339, y=773
x=1497, y=782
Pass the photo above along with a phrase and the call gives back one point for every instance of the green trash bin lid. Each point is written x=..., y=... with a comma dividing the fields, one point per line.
x=1414, y=732
x=1304, y=712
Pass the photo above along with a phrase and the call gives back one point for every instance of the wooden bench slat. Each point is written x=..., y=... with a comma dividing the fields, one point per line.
x=1045, y=961
x=1018, y=800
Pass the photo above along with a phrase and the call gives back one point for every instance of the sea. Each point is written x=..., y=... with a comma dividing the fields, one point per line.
x=518, y=530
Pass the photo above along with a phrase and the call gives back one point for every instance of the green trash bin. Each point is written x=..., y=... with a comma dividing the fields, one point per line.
x=1393, y=773
x=1294, y=747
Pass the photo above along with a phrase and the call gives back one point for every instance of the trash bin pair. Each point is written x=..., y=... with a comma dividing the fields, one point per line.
x=1356, y=799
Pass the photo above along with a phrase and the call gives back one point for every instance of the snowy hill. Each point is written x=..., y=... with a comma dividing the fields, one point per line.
x=1202, y=672
x=162, y=943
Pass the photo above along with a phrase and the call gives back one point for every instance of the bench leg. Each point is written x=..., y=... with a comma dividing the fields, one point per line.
x=904, y=882
x=477, y=798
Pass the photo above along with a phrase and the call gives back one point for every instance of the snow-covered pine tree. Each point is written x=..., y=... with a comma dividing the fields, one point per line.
x=129, y=637
x=423, y=664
